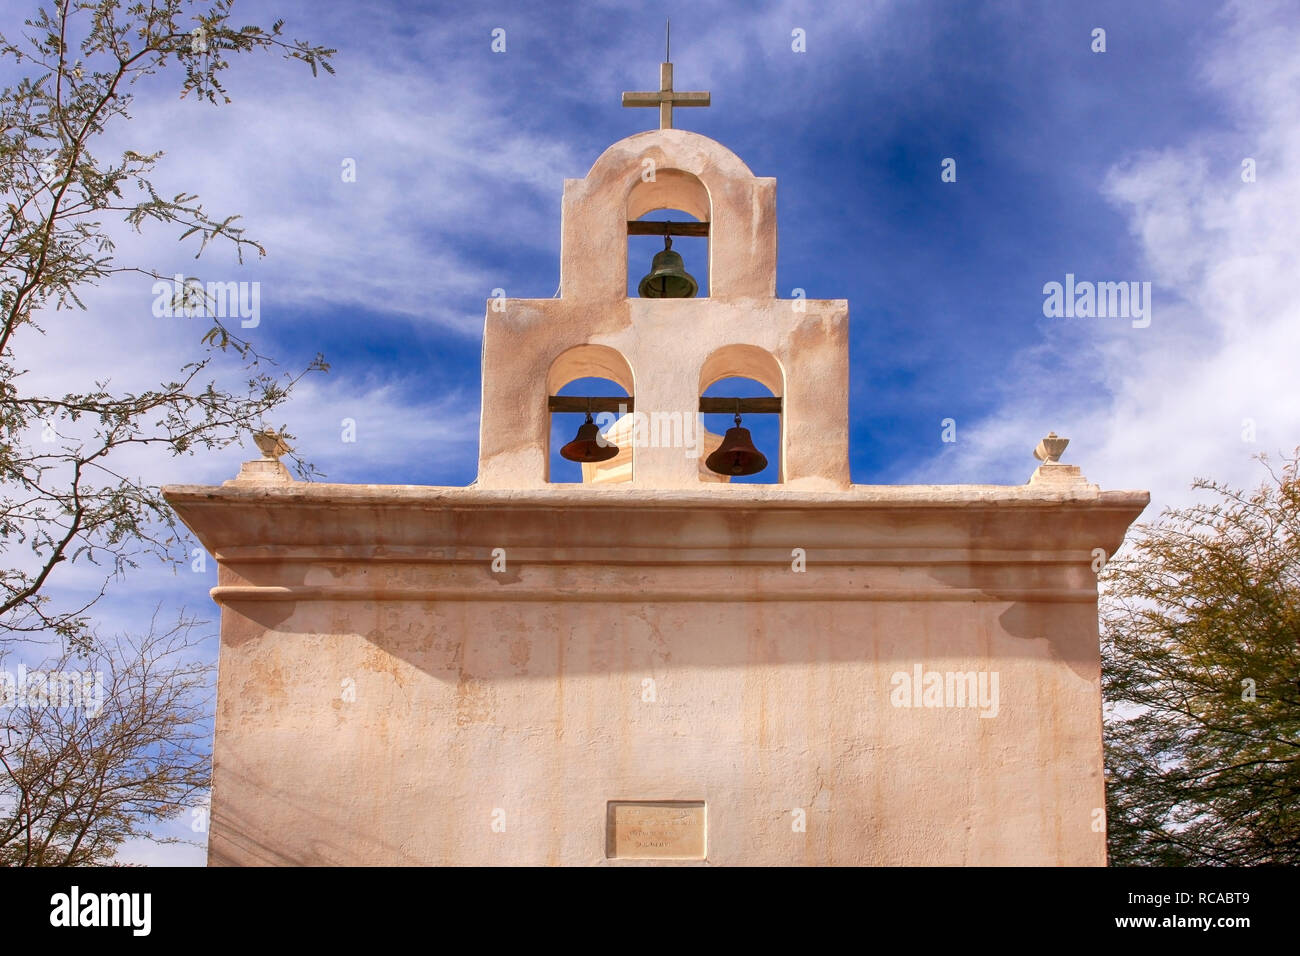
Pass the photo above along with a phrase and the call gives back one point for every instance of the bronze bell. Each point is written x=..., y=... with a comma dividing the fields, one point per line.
x=588, y=446
x=737, y=454
x=668, y=278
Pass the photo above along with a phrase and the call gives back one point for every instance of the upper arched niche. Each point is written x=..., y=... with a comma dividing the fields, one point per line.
x=670, y=189
x=669, y=169
x=680, y=143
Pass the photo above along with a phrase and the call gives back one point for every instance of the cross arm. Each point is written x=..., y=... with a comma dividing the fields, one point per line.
x=654, y=98
x=642, y=99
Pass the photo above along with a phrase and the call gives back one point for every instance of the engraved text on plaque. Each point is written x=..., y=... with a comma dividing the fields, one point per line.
x=655, y=830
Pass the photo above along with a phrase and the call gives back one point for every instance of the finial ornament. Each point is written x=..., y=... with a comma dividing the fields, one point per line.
x=271, y=444
x=268, y=469
x=1049, y=450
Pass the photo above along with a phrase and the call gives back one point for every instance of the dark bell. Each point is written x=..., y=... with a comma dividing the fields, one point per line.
x=588, y=446
x=668, y=278
x=737, y=454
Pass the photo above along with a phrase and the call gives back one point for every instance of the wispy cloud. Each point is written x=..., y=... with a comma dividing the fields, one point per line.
x=1155, y=407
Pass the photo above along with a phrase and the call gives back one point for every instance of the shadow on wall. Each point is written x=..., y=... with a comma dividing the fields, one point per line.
x=507, y=640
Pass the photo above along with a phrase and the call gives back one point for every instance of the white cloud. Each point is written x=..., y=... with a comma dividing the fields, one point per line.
x=1154, y=408
x=149, y=853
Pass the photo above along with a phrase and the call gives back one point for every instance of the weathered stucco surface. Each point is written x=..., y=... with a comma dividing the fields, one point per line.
x=522, y=691
x=502, y=673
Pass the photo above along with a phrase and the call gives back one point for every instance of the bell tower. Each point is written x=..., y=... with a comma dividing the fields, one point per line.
x=666, y=346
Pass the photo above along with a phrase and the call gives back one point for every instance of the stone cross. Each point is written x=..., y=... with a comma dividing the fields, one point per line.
x=666, y=97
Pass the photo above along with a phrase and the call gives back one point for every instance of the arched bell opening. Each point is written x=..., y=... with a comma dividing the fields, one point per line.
x=746, y=414
x=668, y=216
x=589, y=389
x=668, y=256
x=747, y=383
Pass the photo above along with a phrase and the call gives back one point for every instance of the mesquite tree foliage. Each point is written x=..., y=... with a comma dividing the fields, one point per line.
x=67, y=497
x=1201, y=678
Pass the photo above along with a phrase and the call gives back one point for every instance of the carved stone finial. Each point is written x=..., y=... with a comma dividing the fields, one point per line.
x=267, y=469
x=1055, y=476
x=271, y=444
x=1050, y=448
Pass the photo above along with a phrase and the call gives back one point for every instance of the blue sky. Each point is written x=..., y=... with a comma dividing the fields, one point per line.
x=1115, y=166
x=461, y=154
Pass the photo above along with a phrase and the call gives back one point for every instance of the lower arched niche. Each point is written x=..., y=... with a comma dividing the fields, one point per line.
x=743, y=361
x=591, y=370
x=747, y=371
x=589, y=361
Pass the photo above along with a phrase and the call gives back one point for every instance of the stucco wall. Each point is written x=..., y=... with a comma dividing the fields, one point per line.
x=517, y=697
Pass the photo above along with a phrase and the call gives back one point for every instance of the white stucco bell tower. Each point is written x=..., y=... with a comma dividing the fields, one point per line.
x=666, y=352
